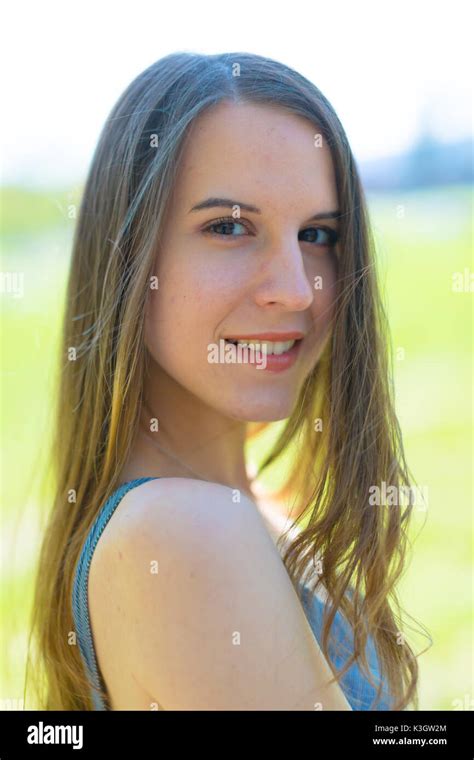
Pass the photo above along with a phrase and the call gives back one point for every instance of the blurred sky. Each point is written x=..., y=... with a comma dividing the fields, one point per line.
x=390, y=70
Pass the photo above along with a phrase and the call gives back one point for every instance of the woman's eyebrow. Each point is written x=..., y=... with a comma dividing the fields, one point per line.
x=229, y=203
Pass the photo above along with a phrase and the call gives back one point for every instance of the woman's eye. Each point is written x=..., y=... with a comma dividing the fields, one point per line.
x=226, y=227
x=329, y=236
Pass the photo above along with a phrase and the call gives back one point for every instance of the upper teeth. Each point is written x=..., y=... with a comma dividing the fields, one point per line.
x=270, y=347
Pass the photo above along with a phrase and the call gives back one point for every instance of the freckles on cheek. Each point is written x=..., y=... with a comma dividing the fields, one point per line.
x=178, y=307
x=213, y=294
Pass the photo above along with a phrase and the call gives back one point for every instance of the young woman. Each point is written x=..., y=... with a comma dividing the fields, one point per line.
x=223, y=278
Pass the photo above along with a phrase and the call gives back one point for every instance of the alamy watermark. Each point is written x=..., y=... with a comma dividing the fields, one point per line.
x=398, y=496
x=225, y=352
x=48, y=734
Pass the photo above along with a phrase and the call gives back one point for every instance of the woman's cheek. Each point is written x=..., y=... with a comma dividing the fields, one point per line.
x=324, y=276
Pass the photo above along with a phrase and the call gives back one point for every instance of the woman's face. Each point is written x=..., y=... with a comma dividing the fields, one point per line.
x=271, y=271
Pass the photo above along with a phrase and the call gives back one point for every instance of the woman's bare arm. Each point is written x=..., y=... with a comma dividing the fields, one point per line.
x=208, y=612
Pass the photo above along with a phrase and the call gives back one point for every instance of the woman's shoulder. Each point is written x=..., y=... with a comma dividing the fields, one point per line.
x=176, y=499
x=187, y=569
x=175, y=548
x=189, y=503
x=173, y=514
x=171, y=529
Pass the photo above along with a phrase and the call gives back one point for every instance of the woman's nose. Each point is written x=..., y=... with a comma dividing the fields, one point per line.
x=283, y=279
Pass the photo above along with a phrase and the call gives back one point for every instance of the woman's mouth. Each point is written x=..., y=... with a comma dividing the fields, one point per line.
x=272, y=356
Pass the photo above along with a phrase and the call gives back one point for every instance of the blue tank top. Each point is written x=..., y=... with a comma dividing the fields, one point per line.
x=358, y=690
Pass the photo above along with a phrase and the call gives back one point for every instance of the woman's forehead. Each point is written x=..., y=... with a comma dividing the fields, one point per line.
x=256, y=153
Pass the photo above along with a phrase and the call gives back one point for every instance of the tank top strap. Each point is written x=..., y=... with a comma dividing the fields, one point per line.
x=80, y=605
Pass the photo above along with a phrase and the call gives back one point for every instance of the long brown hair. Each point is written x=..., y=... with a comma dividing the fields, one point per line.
x=103, y=360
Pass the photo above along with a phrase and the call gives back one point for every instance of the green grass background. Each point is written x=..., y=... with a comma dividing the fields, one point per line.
x=422, y=237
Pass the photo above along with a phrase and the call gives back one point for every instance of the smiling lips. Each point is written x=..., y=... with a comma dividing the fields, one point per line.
x=276, y=344
x=281, y=349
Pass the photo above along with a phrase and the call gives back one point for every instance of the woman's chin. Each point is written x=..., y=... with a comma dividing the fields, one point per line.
x=261, y=411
